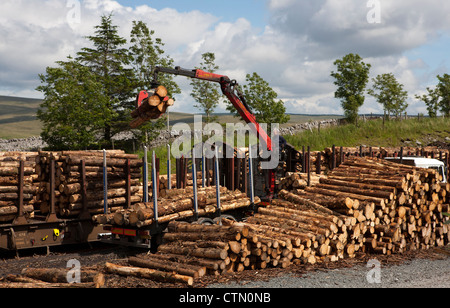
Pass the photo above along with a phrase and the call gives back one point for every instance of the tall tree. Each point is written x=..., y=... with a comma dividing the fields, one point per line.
x=262, y=100
x=146, y=53
x=389, y=93
x=205, y=93
x=351, y=79
x=74, y=109
x=431, y=100
x=444, y=93
x=108, y=60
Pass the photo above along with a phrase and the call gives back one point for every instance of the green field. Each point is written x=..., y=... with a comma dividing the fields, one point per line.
x=411, y=132
x=18, y=118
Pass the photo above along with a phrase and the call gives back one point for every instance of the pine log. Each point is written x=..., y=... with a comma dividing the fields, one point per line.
x=148, y=274
x=55, y=275
x=161, y=91
x=211, y=253
x=164, y=265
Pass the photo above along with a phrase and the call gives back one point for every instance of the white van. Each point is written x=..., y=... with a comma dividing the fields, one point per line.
x=421, y=162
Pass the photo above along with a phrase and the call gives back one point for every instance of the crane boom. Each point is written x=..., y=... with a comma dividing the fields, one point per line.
x=229, y=89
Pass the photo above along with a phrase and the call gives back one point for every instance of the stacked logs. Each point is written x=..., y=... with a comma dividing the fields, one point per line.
x=68, y=180
x=9, y=185
x=177, y=204
x=397, y=207
x=164, y=182
x=190, y=251
x=379, y=152
x=152, y=107
x=297, y=180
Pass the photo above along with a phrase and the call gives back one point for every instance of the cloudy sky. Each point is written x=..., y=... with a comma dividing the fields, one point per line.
x=290, y=43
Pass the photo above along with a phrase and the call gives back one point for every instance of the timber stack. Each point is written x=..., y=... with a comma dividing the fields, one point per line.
x=379, y=152
x=177, y=204
x=152, y=107
x=68, y=181
x=164, y=182
x=397, y=207
x=9, y=185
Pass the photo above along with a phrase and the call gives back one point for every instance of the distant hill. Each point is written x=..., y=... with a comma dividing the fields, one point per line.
x=18, y=117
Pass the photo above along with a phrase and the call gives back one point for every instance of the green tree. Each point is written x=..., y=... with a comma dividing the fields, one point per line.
x=109, y=60
x=74, y=108
x=351, y=79
x=444, y=93
x=389, y=93
x=146, y=53
x=262, y=100
x=205, y=93
x=431, y=99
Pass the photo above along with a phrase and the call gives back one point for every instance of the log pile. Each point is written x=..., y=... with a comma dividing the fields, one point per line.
x=397, y=207
x=177, y=204
x=379, y=152
x=152, y=107
x=9, y=185
x=297, y=180
x=68, y=183
x=365, y=205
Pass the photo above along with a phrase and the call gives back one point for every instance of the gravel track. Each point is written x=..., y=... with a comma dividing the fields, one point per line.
x=429, y=269
x=420, y=269
x=415, y=274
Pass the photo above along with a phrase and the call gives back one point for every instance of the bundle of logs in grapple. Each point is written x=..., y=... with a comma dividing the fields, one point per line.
x=152, y=107
x=9, y=184
x=177, y=204
x=68, y=185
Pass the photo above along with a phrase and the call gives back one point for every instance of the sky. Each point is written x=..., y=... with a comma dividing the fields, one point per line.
x=291, y=44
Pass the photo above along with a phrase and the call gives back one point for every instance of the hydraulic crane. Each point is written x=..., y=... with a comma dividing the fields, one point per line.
x=231, y=90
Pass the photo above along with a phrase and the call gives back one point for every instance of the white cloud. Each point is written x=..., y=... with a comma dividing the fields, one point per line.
x=294, y=52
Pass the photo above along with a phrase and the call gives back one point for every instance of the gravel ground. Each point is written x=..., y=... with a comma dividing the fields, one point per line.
x=427, y=271
x=420, y=269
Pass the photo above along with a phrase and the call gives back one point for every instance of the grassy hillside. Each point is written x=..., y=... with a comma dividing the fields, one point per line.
x=373, y=133
x=18, y=117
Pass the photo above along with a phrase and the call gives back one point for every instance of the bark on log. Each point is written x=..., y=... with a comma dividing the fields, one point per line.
x=182, y=269
x=53, y=275
x=148, y=274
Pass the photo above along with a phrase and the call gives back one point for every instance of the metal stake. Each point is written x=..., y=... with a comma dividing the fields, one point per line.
x=105, y=184
x=194, y=178
x=155, y=194
x=145, y=175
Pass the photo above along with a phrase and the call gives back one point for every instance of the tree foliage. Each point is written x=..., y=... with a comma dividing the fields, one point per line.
x=263, y=102
x=444, y=93
x=389, y=93
x=431, y=100
x=351, y=79
x=89, y=99
x=74, y=108
x=205, y=93
x=146, y=54
x=109, y=60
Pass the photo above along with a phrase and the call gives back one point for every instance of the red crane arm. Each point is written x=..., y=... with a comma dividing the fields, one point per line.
x=229, y=89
